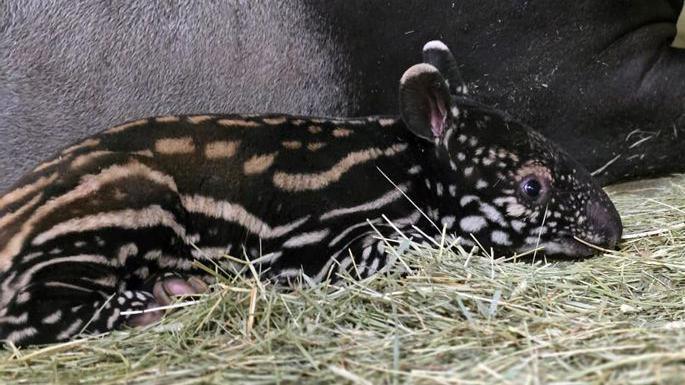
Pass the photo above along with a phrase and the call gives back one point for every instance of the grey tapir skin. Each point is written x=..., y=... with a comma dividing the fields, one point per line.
x=598, y=77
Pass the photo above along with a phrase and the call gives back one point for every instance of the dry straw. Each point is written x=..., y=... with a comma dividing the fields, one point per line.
x=454, y=317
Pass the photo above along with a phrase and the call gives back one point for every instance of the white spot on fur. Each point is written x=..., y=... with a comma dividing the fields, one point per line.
x=197, y=119
x=292, y=144
x=242, y=123
x=52, y=318
x=472, y=223
x=175, y=146
x=466, y=199
x=167, y=119
x=258, y=163
x=125, y=251
x=415, y=170
x=275, y=121
x=493, y=214
x=501, y=201
x=515, y=210
x=17, y=336
x=367, y=252
x=384, y=122
x=540, y=230
x=315, y=146
x=71, y=330
x=221, y=149
x=500, y=238
x=374, y=266
x=448, y=221
x=517, y=225
x=15, y=320
x=113, y=318
x=342, y=132
x=31, y=256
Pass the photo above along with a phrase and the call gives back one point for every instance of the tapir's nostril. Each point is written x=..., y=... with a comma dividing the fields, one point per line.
x=606, y=224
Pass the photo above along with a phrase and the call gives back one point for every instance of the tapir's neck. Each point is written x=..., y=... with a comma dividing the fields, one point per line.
x=426, y=166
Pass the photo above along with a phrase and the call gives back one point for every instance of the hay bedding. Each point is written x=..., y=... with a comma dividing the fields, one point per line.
x=455, y=318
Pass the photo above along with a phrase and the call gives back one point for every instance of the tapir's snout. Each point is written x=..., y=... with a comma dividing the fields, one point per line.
x=605, y=224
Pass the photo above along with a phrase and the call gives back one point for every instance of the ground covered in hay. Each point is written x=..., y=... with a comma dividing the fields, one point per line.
x=455, y=318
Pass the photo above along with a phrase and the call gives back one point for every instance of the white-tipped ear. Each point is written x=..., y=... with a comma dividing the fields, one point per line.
x=438, y=55
x=425, y=101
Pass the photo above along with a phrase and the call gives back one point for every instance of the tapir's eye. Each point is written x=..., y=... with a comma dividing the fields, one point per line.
x=534, y=188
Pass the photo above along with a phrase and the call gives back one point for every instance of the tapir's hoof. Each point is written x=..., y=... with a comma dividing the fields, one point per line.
x=147, y=318
x=165, y=289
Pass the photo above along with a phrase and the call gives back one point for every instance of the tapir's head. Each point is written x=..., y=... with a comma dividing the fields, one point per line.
x=496, y=179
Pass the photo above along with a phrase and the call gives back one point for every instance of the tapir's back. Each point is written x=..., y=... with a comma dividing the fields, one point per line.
x=275, y=167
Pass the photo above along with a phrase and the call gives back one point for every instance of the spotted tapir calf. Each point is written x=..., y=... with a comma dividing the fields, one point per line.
x=97, y=230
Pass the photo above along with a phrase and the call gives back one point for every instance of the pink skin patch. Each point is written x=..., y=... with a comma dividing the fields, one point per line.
x=164, y=291
x=176, y=287
x=145, y=319
x=438, y=116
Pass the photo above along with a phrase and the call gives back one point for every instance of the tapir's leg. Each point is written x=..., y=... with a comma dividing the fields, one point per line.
x=165, y=289
x=56, y=311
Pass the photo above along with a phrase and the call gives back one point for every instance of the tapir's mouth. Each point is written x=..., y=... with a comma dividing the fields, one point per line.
x=562, y=248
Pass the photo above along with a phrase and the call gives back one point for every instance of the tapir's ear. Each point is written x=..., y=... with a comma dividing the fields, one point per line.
x=425, y=101
x=439, y=56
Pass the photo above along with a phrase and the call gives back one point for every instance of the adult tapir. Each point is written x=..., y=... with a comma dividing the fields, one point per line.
x=598, y=77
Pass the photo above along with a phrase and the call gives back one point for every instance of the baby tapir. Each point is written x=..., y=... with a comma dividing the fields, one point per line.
x=97, y=230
